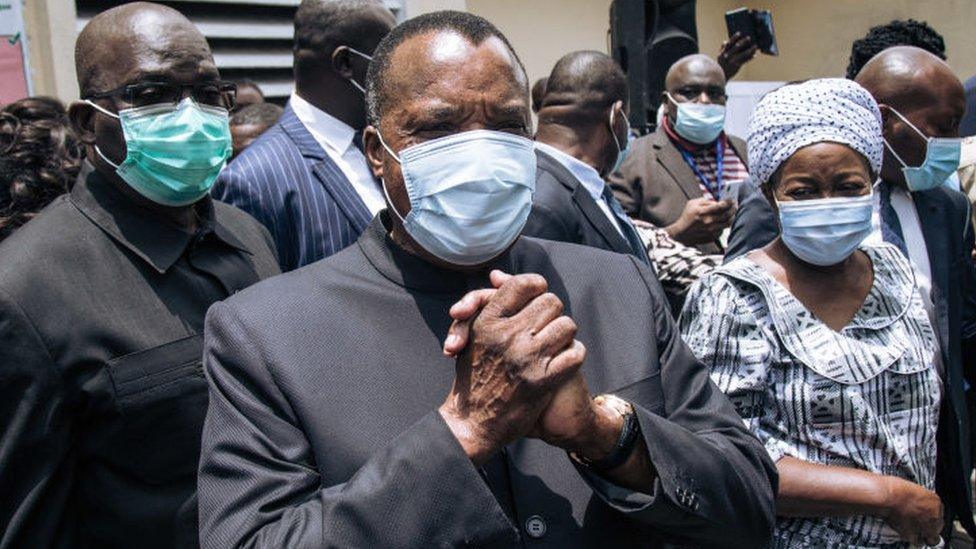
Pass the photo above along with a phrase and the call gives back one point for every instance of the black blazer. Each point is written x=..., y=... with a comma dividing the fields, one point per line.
x=323, y=431
x=562, y=209
x=944, y=216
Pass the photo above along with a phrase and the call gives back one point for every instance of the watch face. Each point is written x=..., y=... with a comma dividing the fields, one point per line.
x=615, y=403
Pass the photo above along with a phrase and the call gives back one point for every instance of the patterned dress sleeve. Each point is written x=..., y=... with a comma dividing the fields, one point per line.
x=727, y=338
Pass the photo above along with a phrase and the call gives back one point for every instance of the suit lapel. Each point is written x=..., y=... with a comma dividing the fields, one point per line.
x=326, y=171
x=673, y=163
x=581, y=197
x=937, y=245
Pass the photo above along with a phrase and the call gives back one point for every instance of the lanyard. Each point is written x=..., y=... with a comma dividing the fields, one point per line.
x=719, y=161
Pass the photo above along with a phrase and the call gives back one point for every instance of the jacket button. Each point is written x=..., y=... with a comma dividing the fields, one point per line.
x=535, y=527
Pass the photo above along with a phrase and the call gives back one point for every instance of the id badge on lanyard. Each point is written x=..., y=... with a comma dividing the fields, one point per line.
x=713, y=189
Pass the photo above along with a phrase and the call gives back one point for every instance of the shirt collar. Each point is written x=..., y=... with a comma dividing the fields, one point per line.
x=412, y=272
x=328, y=130
x=147, y=234
x=586, y=174
x=683, y=143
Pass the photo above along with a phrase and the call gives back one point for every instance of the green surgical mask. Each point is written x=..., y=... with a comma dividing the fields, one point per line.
x=173, y=152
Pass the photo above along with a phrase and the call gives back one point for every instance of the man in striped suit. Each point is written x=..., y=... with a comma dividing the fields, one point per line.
x=306, y=178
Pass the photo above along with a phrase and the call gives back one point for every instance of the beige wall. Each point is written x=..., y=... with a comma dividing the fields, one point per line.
x=50, y=28
x=542, y=31
x=815, y=36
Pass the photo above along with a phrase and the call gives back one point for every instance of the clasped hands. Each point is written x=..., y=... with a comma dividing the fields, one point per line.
x=518, y=373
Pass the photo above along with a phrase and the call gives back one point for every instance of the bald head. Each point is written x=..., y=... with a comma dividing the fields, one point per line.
x=919, y=96
x=142, y=34
x=694, y=68
x=581, y=85
x=905, y=77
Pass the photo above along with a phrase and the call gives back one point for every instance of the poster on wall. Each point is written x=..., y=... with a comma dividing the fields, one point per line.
x=14, y=83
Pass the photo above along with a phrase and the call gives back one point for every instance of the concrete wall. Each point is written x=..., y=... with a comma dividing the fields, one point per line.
x=542, y=31
x=815, y=36
x=50, y=27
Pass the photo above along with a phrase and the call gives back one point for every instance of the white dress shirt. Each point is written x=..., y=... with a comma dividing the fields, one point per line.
x=587, y=176
x=335, y=137
x=918, y=252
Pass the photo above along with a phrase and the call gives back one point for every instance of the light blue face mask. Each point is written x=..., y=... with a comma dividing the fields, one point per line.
x=825, y=231
x=621, y=153
x=470, y=193
x=942, y=156
x=173, y=152
x=699, y=123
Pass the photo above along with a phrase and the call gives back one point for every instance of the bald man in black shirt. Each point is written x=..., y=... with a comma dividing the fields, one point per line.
x=102, y=301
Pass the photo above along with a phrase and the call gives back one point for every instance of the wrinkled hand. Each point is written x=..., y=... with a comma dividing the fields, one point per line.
x=702, y=220
x=914, y=512
x=520, y=349
x=735, y=52
x=571, y=420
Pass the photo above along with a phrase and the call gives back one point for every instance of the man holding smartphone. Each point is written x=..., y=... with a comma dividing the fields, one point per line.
x=675, y=177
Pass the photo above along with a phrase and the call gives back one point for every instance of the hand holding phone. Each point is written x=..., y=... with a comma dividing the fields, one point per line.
x=756, y=24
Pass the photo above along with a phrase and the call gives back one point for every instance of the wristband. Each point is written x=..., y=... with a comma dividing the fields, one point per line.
x=625, y=442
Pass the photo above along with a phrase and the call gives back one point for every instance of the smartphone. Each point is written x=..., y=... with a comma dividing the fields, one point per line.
x=729, y=190
x=755, y=23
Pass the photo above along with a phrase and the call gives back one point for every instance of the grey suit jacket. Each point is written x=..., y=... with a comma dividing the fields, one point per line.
x=654, y=182
x=323, y=431
x=562, y=209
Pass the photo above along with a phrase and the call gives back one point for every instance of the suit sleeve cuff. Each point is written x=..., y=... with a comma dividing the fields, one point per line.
x=657, y=504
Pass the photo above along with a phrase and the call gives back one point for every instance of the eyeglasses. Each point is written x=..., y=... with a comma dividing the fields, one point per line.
x=692, y=93
x=215, y=94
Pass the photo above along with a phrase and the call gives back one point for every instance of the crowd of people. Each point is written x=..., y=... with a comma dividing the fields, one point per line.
x=397, y=313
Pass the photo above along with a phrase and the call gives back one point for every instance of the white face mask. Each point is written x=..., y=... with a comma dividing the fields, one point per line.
x=825, y=231
x=470, y=193
x=699, y=123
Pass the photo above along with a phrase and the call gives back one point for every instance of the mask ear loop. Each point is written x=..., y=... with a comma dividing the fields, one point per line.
x=616, y=141
x=383, y=181
x=913, y=127
x=367, y=57
x=106, y=112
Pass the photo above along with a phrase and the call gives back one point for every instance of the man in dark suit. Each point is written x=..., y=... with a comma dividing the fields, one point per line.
x=306, y=178
x=103, y=296
x=582, y=132
x=932, y=228
x=676, y=177
x=337, y=417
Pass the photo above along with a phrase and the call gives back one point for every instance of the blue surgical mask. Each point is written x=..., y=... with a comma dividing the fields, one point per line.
x=470, y=193
x=173, y=152
x=699, y=123
x=942, y=156
x=825, y=231
x=621, y=152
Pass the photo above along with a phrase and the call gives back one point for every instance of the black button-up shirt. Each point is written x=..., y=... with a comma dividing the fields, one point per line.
x=102, y=396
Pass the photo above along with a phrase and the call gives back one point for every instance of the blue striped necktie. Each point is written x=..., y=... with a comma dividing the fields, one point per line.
x=890, y=225
x=626, y=227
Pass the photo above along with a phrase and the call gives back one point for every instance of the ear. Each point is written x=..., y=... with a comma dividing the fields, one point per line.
x=374, y=151
x=342, y=62
x=82, y=117
x=889, y=120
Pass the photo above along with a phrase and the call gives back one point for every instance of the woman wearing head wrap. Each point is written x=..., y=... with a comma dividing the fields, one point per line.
x=821, y=340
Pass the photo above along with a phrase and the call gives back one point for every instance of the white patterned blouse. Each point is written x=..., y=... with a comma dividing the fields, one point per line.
x=865, y=397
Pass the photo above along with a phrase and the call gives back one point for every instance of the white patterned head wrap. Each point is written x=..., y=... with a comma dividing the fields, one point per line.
x=824, y=110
